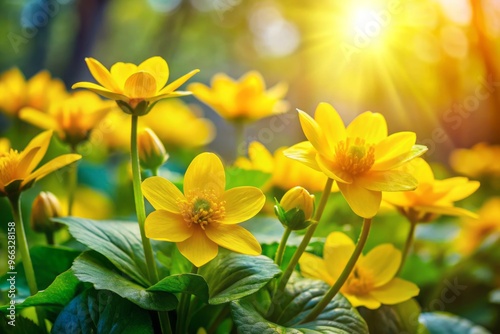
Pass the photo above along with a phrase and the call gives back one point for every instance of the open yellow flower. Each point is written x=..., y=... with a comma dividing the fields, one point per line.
x=4, y=146
x=244, y=100
x=362, y=158
x=372, y=281
x=132, y=83
x=205, y=216
x=17, y=169
x=38, y=92
x=432, y=197
x=481, y=159
x=72, y=118
x=286, y=173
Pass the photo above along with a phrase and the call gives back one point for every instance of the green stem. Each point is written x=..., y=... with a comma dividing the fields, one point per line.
x=49, y=237
x=413, y=219
x=22, y=241
x=72, y=183
x=281, y=248
x=183, y=309
x=334, y=289
x=141, y=217
x=303, y=244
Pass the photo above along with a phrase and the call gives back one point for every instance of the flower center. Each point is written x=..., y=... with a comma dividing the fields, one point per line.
x=202, y=208
x=354, y=156
x=9, y=162
x=360, y=282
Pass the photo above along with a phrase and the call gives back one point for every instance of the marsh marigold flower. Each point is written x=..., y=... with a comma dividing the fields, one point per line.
x=17, y=169
x=296, y=208
x=432, y=197
x=152, y=153
x=244, y=100
x=38, y=92
x=205, y=216
x=361, y=158
x=372, y=281
x=73, y=118
x=482, y=159
x=134, y=87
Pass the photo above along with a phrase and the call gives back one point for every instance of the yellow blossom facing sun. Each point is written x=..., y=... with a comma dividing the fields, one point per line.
x=432, y=197
x=372, y=281
x=361, y=158
x=244, y=100
x=481, y=159
x=38, y=92
x=72, y=118
x=206, y=215
x=134, y=85
x=17, y=169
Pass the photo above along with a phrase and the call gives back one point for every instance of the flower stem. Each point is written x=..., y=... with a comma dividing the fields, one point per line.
x=72, y=183
x=141, y=217
x=413, y=219
x=281, y=248
x=183, y=309
x=334, y=289
x=303, y=244
x=22, y=241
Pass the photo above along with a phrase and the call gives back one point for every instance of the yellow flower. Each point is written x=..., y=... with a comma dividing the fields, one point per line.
x=475, y=231
x=362, y=158
x=432, y=197
x=480, y=160
x=372, y=281
x=38, y=92
x=45, y=207
x=244, y=100
x=72, y=118
x=286, y=173
x=4, y=146
x=206, y=215
x=152, y=153
x=17, y=169
x=134, y=84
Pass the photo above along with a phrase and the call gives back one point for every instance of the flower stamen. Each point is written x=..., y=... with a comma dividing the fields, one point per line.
x=360, y=282
x=202, y=208
x=354, y=156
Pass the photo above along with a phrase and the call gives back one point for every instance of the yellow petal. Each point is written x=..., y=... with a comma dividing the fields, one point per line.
x=332, y=170
x=366, y=301
x=233, y=237
x=303, y=152
x=254, y=81
x=205, y=172
x=337, y=252
x=167, y=95
x=446, y=210
x=52, y=165
x=461, y=191
x=369, y=126
x=383, y=262
x=330, y=122
x=312, y=266
x=140, y=85
x=162, y=194
x=171, y=87
x=313, y=133
x=167, y=226
x=42, y=141
x=198, y=249
x=201, y=91
x=390, y=151
x=261, y=158
x=25, y=162
x=101, y=74
x=365, y=203
x=242, y=203
x=394, y=292
x=38, y=118
x=100, y=90
x=278, y=91
x=391, y=180
x=158, y=68
x=420, y=169
x=121, y=72
x=397, y=199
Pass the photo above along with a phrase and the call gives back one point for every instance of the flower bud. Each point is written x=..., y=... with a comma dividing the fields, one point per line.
x=296, y=208
x=45, y=206
x=152, y=153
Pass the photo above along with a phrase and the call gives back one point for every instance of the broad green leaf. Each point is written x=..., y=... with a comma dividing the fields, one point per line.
x=232, y=276
x=57, y=295
x=183, y=283
x=393, y=319
x=93, y=268
x=21, y=325
x=237, y=177
x=446, y=323
x=102, y=312
x=118, y=241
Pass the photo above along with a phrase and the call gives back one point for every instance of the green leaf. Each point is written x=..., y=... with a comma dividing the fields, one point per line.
x=300, y=297
x=183, y=283
x=57, y=295
x=393, y=319
x=102, y=312
x=94, y=268
x=446, y=323
x=237, y=177
x=232, y=276
x=118, y=241
x=21, y=325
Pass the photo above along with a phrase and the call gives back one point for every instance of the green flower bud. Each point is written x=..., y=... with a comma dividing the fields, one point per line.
x=45, y=206
x=152, y=153
x=295, y=209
